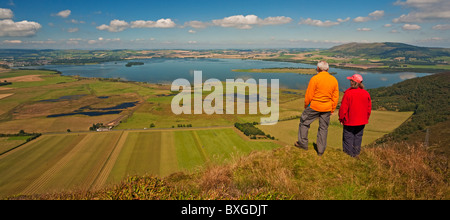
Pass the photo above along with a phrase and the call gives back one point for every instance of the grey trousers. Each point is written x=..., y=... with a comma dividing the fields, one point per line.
x=308, y=117
x=352, y=139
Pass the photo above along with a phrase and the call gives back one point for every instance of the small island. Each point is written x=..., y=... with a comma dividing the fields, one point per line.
x=306, y=71
x=130, y=64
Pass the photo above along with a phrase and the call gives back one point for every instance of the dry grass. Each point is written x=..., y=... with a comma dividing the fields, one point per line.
x=388, y=173
x=412, y=172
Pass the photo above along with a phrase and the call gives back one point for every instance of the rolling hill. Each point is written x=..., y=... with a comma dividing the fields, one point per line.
x=388, y=50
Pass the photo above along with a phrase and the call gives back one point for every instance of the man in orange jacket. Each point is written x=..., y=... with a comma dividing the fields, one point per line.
x=321, y=99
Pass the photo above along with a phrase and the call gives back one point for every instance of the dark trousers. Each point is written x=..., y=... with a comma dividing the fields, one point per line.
x=308, y=117
x=352, y=139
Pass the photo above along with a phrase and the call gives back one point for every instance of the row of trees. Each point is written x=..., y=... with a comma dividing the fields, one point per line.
x=4, y=83
x=250, y=130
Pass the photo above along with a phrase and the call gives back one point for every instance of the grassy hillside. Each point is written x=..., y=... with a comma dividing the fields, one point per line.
x=388, y=50
x=427, y=97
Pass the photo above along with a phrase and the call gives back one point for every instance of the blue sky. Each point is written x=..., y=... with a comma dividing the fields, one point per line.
x=220, y=24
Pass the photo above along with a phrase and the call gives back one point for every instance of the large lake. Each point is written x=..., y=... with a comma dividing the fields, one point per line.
x=165, y=71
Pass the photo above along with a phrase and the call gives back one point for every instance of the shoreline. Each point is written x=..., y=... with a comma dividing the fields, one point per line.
x=374, y=69
x=302, y=71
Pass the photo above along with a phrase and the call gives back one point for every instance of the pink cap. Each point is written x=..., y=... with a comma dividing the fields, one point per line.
x=357, y=78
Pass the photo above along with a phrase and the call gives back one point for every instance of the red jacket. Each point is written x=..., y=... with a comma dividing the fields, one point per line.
x=356, y=107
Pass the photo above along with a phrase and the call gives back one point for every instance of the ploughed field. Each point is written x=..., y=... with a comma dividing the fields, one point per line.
x=89, y=161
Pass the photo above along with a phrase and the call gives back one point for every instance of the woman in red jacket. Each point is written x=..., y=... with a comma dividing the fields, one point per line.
x=354, y=114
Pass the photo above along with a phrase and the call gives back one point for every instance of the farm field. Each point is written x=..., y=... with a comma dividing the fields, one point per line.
x=57, y=103
x=48, y=102
x=84, y=161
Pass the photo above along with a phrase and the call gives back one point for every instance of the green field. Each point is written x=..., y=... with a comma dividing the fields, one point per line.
x=84, y=161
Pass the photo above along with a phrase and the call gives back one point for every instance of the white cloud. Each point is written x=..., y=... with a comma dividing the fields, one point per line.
x=276, y=20
x=411, y=27
x=114, y=26
x=361, y=19
x=442, y=27
x=6, y=13
x=64, y=14
x=424, y=10
x=247, y=22
x=9, y=28
x=377, y=13
x=387, y=25
x=12, y=41
x=103, y=40
x=320, y=23
x=161, y=23
x=192, y=42
x=237, y=21
x=372, y=16
x=120, y=25
x=192, y=31
x=364, y=29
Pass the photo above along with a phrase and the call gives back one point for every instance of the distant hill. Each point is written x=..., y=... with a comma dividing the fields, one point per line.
x=388, y=50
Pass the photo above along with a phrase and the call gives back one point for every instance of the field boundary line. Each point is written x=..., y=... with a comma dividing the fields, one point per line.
x=47, y=175
x=110, y=162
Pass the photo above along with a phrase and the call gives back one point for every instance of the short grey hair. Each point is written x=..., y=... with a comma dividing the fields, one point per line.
x=323, y=65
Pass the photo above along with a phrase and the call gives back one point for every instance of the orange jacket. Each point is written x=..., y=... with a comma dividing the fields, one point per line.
x=322, y=93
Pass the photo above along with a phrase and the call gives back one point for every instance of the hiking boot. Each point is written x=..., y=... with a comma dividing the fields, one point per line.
x=297, y=145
